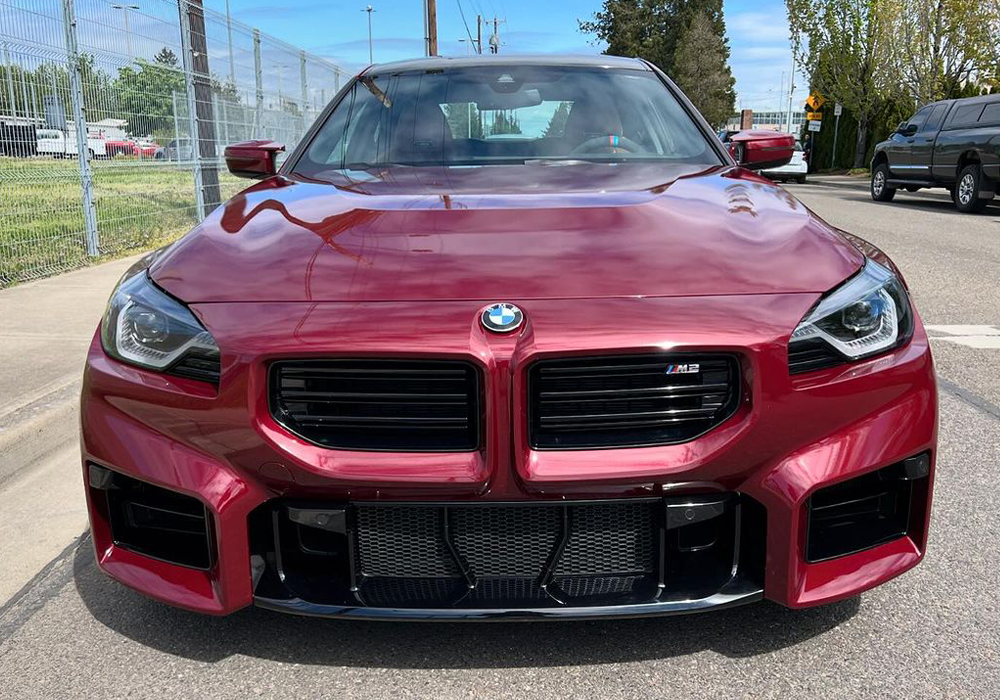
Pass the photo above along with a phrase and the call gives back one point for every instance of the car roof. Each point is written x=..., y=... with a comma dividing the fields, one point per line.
x=580, y=60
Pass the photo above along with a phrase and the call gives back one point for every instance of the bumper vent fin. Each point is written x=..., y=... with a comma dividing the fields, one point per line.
x=864, y=512
x=629, y=401
x=811, y=355
x=390, y=405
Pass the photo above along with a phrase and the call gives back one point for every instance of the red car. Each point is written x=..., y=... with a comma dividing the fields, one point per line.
x=510, y=338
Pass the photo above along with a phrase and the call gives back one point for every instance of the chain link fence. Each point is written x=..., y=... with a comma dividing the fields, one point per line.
x=114, y=116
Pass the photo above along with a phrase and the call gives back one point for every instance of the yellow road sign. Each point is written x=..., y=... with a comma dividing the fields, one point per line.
x=815, y=102
x=814, y=116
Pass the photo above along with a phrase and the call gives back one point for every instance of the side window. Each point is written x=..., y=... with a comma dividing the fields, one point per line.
x=933, y=122
x=991, y=115
x=965, y=115
x=919, y=118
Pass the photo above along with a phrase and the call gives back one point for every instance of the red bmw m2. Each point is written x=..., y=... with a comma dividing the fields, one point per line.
x=509, y=338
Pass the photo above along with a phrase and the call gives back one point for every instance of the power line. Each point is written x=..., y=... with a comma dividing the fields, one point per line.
x=462, y=12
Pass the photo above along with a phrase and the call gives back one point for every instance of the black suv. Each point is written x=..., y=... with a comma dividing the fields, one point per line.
x=953, y=144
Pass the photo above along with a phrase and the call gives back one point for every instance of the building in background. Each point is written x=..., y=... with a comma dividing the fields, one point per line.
x=772, y=120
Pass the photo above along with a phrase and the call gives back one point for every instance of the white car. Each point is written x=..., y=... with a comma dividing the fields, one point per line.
x=796, y=169
x=59, y=144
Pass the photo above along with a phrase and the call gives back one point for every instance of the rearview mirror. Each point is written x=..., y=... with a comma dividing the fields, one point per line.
x=253, y=159
x=757, y=149
x=909, y=130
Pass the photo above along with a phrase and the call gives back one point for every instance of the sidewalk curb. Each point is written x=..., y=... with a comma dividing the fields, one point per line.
x=34, y=430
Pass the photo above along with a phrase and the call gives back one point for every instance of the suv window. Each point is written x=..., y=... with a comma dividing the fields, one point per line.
x=919, y=118
x=991, y=115
x=965, y=115
x=937, y=117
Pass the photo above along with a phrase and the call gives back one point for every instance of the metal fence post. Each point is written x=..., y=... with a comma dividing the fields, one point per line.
x=259, y=79
x=305, y=91
x=79, y=121
x=199, y=193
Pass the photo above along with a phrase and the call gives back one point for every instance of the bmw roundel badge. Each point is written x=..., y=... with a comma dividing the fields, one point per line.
x=502, y=317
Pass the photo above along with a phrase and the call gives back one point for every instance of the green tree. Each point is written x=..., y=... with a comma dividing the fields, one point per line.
x=557, y=123
x=505, y=122
x=702, y=72
x=845, y=47
x=464, y=120
x=146, y=95
x=941, y=46
x=651, y=29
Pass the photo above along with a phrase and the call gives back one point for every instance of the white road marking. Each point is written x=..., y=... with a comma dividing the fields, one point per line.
x=980, y=337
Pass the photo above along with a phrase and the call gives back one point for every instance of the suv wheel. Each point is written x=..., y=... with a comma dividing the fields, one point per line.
x=881, y=192
x=967, y=190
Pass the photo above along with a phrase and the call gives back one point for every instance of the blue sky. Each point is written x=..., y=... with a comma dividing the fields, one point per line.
x=758, y=33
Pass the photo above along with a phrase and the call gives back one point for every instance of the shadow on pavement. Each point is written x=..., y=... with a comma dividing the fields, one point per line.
x=739, y=632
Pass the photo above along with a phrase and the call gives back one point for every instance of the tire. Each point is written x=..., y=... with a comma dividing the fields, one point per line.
x=881, y=192
x=967, y=190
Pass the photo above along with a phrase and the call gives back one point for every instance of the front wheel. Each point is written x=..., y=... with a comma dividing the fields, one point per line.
x=881, y=192
x=967, y=190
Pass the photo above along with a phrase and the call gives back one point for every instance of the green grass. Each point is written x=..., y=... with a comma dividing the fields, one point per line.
x=139, y=205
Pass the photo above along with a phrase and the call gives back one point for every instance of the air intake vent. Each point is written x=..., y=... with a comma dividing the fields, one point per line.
x=811, y=355
x=391, y=405
x=866, y=511
x=198, y=364
x=629, y=401
x=155, y=521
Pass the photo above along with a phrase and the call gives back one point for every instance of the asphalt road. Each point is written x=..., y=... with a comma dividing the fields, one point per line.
x=932, y=633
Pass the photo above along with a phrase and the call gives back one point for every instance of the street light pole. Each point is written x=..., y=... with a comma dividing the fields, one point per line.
x=128, y=31
x=369, y=10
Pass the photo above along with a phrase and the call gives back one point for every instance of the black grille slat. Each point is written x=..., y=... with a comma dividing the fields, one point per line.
x=630, y=401
x=198, y=364
x=380, y=404
x=811, y=355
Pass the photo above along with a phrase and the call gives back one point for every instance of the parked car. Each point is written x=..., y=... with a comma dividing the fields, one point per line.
x=60, y=144
x=178, y=150
x=599, y=370
x=135, y=148
x=954, y=144
x=796, y=169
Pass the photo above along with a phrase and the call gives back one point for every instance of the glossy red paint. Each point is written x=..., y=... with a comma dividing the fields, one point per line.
x=462, y=233
x=759, y=149
x=253, y=159
x=401, y=264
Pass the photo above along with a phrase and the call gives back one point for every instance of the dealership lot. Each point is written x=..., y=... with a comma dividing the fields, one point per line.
x=934, y=632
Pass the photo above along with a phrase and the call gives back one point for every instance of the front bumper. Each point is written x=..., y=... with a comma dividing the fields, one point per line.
x=791, y=437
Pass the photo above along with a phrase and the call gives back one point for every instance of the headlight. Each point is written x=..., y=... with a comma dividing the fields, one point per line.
x=146, y=327
x=868, y=314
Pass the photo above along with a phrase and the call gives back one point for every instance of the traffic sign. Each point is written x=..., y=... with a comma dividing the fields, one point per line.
x=815, y=125
x=814, y=116
x=815, y=102
x=838, y=109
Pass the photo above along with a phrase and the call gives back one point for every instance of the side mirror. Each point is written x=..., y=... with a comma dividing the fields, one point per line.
x=909, y=130
x=757, y=149
x=253, y=159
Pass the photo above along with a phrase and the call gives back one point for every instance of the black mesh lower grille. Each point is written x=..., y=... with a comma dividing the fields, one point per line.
x=428, y=554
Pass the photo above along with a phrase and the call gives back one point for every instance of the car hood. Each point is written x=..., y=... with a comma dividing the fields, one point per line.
x=507, y=233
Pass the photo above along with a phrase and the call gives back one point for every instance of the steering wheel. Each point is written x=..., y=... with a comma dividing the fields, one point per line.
x=612, y=143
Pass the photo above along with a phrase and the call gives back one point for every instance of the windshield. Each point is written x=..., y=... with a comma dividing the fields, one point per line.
x=504, y=115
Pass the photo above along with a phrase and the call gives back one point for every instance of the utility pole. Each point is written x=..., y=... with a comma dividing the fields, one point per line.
x=479, y=34
x=199, y=75
x=369, y=9
x=495, y=37
x=430, y=10
x=791, y=89
x=128, y=31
